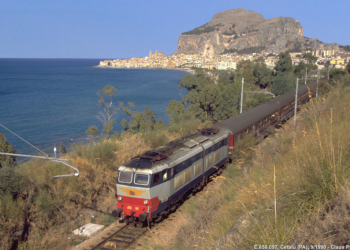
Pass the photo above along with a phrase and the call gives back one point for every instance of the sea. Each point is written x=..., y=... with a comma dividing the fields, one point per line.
x=51, y=102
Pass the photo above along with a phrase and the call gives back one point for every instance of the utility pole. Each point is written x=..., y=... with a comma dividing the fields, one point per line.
x=318, y=77
x=328, y=71
x=305, y=75
x=296, y=103
x=242, y=96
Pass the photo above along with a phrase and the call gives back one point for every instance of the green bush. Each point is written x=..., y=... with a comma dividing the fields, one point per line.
x=101, y=153
x=13, y=183
x=336, y=76
x=200, y=30
x=229, y=33
x=155, y=139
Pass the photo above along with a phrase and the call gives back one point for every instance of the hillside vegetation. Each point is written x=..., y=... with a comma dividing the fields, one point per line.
x=29, y=220
x=293, y=188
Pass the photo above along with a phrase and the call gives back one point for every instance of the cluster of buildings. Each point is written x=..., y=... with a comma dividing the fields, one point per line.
x=338, y=59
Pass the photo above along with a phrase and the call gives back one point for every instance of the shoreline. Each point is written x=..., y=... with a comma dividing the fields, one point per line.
x=191, y=71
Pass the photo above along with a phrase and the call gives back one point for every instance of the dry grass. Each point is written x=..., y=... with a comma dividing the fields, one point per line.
x=31, y=221
x=311, y=164
x=312, y=169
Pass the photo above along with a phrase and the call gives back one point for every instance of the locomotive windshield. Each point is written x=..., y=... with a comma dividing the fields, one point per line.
x=141, y=179
x=125, y=177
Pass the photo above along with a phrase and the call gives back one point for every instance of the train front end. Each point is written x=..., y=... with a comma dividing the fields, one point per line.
x=135, y=203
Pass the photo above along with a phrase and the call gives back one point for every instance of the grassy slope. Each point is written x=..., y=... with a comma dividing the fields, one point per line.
x=31, y=221
x=311, y=165
x=310, y=174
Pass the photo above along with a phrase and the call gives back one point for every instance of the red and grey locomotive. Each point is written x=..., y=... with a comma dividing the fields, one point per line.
x=151, y=185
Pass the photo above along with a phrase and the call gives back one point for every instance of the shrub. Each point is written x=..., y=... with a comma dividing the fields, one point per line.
x=200, y=30
x=155, y=139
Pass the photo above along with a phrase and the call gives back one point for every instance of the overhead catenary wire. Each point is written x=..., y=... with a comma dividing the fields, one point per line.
x=23, y=139
x=20, y=169
x=119, y=153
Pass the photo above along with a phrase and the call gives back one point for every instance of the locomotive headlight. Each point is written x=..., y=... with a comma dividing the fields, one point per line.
x=145, y=202
x=120, y=198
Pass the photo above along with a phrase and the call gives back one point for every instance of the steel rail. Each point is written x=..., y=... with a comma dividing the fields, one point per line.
x=101, y=245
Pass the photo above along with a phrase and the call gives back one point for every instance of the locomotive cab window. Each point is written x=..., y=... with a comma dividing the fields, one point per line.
x=165, y=175
x=141, y=179
x=125, y=177
x=156, y=178
x=176, y=170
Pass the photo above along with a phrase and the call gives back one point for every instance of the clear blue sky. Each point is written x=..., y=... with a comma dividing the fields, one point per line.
x=122, y=29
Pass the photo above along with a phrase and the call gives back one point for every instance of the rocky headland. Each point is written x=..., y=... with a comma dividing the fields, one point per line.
x=240, y=30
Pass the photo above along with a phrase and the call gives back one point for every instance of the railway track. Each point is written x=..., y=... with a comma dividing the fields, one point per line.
x=120, y=239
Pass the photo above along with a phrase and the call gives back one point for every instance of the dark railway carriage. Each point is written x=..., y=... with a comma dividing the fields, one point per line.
x=151, y=185
x=261, y=119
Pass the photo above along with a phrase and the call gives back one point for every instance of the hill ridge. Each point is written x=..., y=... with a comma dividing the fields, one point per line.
x=237, y=30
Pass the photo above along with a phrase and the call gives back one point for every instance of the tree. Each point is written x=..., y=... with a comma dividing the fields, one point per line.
x=175, y=109
x=62, y=149
x=107, y=95
x=5, y=147
x=93, y=132
x=209, y=100
x=310, y=58
x=228, y=102
x=335, y=76
x=12, y=182
x=283, y=83
x=284, y=63
x=347, y=68
x=148, y=121
x=196, y=82
x=260, y=60
x=244, y=64
x=299, y=70
x=159, y=125
x=227, y=78
x=138, y=121
x=262, y=74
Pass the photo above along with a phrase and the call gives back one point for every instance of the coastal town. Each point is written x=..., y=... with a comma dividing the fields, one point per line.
x=337, y=59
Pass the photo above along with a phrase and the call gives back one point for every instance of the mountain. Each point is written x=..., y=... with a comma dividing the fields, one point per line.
x=244, y=31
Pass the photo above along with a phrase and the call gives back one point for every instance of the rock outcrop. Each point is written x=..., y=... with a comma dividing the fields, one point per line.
x=240, y=30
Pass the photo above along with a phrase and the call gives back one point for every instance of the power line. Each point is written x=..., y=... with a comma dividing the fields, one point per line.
x=23, y=139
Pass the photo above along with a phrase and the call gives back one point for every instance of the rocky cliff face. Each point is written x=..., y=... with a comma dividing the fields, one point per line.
x=239, y=30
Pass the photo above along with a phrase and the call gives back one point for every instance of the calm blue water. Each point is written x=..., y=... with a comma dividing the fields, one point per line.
x=54, y=101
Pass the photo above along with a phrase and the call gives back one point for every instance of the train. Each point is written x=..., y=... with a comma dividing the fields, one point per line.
x=155, y=183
